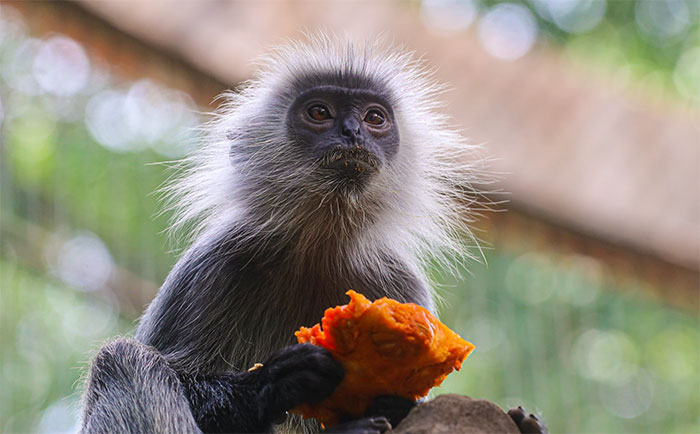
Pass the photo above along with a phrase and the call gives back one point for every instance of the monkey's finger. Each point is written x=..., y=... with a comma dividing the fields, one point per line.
x=517, y=414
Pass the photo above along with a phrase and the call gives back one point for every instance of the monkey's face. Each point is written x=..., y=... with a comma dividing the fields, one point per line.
x=350, y=133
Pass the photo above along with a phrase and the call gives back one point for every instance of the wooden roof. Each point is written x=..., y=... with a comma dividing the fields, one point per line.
x=572, y=149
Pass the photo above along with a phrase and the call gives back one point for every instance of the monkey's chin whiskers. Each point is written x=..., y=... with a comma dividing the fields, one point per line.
x=344, y=157
x=349, y=168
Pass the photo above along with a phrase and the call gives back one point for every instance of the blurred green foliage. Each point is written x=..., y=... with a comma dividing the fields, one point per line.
x=651, y=44
x=549, y=332
x=58, y=173
x=49, y=334
x=589, y=357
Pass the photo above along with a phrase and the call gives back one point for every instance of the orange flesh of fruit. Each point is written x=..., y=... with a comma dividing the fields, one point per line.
x=386, y=348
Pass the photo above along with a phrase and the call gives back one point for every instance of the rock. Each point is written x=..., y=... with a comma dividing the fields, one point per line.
x=453, y=414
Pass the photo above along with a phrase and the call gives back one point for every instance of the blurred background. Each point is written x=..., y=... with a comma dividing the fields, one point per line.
x=585, y=307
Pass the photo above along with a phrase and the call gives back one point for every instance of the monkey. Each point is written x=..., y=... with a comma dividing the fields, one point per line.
x=331, y=169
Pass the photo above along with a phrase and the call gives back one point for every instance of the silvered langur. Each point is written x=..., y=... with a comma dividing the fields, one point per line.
x=330, y=170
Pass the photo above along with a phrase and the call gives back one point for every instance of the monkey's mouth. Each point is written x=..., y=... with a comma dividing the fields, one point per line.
x=352, y=163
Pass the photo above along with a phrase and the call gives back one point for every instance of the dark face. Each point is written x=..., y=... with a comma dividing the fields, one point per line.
x=350, y=132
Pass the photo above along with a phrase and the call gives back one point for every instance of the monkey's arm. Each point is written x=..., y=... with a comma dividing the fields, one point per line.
x=253, y=401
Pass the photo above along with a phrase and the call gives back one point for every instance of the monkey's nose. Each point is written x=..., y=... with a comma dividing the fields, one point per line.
x=350, y=128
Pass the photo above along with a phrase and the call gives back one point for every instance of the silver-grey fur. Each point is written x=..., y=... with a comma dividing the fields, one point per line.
x=273, y=245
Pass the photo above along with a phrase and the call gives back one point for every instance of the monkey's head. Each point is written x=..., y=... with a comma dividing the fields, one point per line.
x=333, y=136
x=348, y=130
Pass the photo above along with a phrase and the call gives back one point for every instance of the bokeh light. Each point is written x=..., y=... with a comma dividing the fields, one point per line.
x=686, y=75
x=630, y=398
x=531, y=278
x=448, y=16
x=508, y=31
x=662, y=21
x=606, y=356
x=83, y=262
x=572, y=16
x=106, y=121
x=18, y=73
x=61, y=66
x=146, y=115
x=580, y=280
x=60, y=417
x=156, y=115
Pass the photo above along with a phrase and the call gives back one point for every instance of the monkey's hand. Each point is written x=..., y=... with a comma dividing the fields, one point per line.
x=527, y=424
x=298, y=374
x=385, y=412
x=393, y=408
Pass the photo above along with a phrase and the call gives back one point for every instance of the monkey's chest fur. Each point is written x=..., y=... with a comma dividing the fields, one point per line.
x=233, y=300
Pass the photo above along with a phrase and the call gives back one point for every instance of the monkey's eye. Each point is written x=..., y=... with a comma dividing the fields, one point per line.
x=319, y=112
x=375, y=117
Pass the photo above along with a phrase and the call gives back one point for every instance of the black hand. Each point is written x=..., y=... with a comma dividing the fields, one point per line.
x=297, y=375
x=527, y=424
